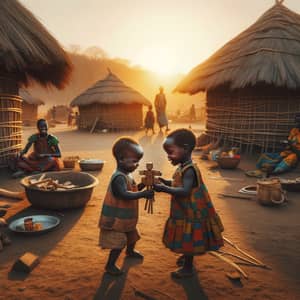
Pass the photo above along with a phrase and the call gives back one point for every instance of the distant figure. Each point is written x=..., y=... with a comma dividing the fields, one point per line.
x=192, y=113
x=160, y=103
x=53, y=112
x=77, y=119
x=45, y=155
x=70, y=118
x=149, y=120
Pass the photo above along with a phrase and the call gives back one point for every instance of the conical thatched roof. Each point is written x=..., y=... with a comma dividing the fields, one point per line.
x=28, y=98
x=267, y=52
x=27, y=50
x=110, y=90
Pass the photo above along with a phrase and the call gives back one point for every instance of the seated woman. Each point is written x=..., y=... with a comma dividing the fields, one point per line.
x=277, y=163
x=45, y=152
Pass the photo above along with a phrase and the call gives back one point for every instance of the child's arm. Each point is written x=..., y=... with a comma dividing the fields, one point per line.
x=165, y=181
x=119, y=189
x=188, y=180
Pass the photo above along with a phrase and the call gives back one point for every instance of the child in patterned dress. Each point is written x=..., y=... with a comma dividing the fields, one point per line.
x=193, y=226
x=119, y=213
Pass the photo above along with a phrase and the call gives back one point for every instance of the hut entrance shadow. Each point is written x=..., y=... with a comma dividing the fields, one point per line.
x=192, y=288
x=111, y=287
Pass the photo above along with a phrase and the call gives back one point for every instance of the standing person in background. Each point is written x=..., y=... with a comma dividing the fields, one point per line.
x=160, y=103
x=53, y=112
x=193, y=113
x=77, y=120
x=70, y=118
x=149, y=120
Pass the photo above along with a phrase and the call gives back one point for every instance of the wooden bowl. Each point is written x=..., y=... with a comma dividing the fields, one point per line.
x=61, y=199
x=91, y=164
x=228, y=162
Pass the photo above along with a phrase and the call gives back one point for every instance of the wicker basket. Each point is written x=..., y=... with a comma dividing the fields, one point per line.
x=65, y=199
x=228, y=162
x=269, y=192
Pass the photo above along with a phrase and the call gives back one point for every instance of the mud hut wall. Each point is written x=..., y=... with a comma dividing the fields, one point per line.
x=29, y=113
x=256, y=118
x=111, y=116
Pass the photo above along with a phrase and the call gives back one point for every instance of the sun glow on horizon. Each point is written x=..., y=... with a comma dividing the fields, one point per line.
x=161, y=60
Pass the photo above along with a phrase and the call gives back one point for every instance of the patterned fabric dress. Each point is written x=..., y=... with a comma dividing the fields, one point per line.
x=193, y=226
x=284, y=161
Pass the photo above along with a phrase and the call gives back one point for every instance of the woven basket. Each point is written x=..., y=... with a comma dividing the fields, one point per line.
x=69, y=161
x=228, y=162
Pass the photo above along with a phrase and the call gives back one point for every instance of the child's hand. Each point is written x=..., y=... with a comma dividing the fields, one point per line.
x=141, y=186
x=159, y=187
x=148, y=194
x=165, y=181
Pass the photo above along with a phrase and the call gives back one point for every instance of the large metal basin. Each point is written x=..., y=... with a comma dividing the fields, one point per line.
x=74, y=198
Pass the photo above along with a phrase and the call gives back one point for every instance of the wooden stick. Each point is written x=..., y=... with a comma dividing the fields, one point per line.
x=243, y=252
x=40, y=182
x=236, y=196
x=10, y=194
x=226, y=178
x=241, y=258
x=42, y=177
x=230, y=262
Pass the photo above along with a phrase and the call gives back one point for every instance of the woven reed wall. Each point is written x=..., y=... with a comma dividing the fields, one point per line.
x=10, y=127
x=111, y=116
x=253, y=119
x=29, y=113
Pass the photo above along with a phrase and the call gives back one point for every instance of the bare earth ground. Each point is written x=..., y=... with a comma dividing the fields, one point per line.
x=72, y=264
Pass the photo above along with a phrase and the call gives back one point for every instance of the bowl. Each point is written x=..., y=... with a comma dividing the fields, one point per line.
x=61, y=199
x=228, y=162
x=290, y=185
x=91, y=164
x=69, y=162
x=48, y=223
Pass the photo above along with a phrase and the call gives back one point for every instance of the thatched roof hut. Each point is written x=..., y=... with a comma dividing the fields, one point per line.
x=110, y=104
x=29, y=107
x=27, y=52
x=253, y=81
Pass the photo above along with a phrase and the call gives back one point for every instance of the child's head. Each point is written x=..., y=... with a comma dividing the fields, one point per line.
x=179, y=145
x=127, y=153
x=42, y=126
x=150, y=107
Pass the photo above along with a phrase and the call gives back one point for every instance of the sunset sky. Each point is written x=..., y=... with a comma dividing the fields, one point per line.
x=165, y=36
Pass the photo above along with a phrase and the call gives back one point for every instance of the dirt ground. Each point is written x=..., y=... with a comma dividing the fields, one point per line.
x=72, y=264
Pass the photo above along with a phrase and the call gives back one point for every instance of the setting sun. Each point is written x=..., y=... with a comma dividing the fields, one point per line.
x=160, y=59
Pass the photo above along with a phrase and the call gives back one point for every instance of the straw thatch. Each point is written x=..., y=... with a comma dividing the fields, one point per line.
x=28, y=98
x=110, y=90
x=29, y=107
x=267, y=52
x=110, y=104
x=253, y=83
x=27, y=50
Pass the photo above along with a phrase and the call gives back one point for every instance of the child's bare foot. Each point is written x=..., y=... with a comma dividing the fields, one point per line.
x=180, y=261
x=182, y=273
x=113, y=270
x=134, y=254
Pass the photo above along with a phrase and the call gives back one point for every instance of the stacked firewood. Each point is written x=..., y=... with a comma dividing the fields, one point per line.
x=50, y=184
